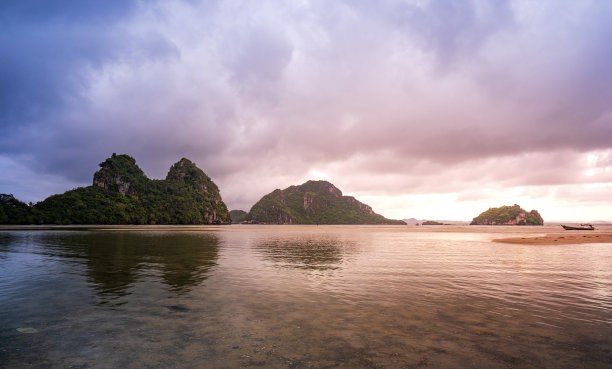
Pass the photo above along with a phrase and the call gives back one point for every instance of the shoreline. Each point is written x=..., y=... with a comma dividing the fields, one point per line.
x=580, y=237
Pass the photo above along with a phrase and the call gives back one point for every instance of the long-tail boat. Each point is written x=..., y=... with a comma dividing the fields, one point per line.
x=583, y=227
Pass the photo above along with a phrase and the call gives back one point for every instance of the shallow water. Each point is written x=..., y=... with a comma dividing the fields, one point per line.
x=302, y=297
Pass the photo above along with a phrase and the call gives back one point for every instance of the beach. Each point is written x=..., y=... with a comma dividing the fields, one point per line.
x=570, y=237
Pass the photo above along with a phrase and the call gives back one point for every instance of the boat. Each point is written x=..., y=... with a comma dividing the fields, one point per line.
x=583, y=227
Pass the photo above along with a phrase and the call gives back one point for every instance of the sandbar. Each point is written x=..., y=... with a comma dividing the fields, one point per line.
x=561, y=238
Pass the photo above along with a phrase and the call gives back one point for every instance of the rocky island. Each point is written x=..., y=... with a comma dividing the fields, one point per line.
x=432, y=222
x=314, y=202
x=122, y=194
x=238, y=216
x=508, y=215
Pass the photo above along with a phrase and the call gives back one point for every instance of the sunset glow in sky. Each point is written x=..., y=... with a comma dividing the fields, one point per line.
x=428, y=109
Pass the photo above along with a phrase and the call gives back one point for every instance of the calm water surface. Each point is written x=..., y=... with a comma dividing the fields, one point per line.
x=301, y=297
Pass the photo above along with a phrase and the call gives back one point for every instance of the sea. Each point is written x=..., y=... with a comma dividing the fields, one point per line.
x=265, y=296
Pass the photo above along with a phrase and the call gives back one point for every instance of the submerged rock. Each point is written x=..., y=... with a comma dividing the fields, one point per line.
x=27, y=330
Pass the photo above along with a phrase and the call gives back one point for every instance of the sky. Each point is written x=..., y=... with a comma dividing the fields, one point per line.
x=433, y=109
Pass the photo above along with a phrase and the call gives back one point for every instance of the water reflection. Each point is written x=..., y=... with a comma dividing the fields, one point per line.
x=298, y=297
x=115, y=261
x=306, y=253
x=6, y=240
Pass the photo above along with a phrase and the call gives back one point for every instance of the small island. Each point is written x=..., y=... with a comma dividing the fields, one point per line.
x=238, y=216
x=432, y=222
x=508, y=215
x=313, y=202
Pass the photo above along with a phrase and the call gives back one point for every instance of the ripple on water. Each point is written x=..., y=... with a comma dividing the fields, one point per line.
x=302, y=297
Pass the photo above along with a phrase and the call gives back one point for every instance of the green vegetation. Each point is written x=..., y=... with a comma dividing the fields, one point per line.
x=238, y=216
x=508, y=215
x=87, y=205
x=314, y=202
x=13, y=211
x=120, y=173
x=122, y=194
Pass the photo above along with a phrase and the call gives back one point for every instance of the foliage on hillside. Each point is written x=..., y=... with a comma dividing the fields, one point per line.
x=122, y=194
x=120, y=171
x=314, y=202
x=508, y=215
x=13, y=211
x=238, y=216
x=87, y=205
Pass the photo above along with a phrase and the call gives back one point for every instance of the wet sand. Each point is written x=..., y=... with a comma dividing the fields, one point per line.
x=570, y=237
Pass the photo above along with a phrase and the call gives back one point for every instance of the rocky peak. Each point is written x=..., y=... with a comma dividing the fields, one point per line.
x=322, y=186
x=333, y=190
x=119, y=173
x=186, y=170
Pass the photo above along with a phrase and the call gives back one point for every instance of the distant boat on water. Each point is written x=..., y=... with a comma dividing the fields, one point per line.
x=583, y=227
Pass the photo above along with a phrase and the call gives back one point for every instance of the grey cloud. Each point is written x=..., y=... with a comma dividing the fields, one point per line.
x=411, y=92
x=67, y=10
x=452, y=30
x=42, y=47
x=456, y=29
x=258, y=57
x=387, y=173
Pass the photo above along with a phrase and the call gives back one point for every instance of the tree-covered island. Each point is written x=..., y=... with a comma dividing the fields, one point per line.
x=238, y=216
x=314, y=202
x=508, y=215
x=122, y=194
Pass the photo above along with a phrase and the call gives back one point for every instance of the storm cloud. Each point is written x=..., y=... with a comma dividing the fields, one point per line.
x=410, y=105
